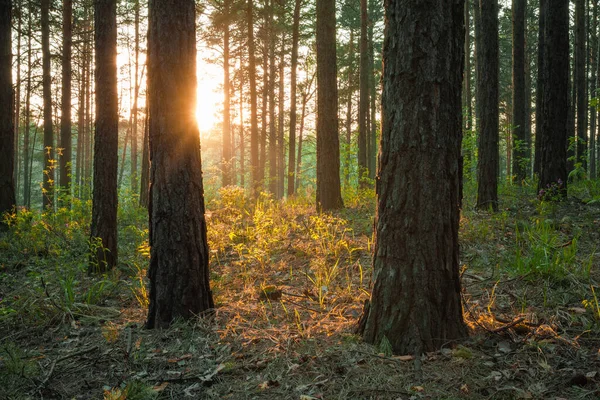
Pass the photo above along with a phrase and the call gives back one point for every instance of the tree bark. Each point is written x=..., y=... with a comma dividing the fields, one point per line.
x=280, y=116
x=106, y=140
x=487, y=106
x=227, y=153
x=519, y=93
x=555, y=83
x=539, y=91
x=134, y=109
x=580, y=82
x=416, y=305
x=48, y=179
x=468, y=96
x=65, y=122
x=26, y=162
x=179, y=275
x=593, y=85
x=348, y=152
x=7, y=129
x=145, y=176
x=363, y=106
x=329, y=196
x=272, y=37
x=291, y=189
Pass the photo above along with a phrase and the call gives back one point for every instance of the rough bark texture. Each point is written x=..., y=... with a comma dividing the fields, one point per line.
x=555, y=84
x=415, y=304
x=467, y=95
x=65, y=121
x=179, y=276
x=539, y=91
x=106, y=139
x=291, y=189
x=7, y=132
x=363, y=106
x=487, y=106
x=519, y=110
x=48, y=173
x=271, y=93
x=580, y=82
x=329, y=195
x=593, y=67
x=134, y=110
x=145, y=176
x=26, y=170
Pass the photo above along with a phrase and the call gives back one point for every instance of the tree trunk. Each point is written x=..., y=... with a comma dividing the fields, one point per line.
x=553, y=155
x=254, y=167
x=487, y=106
x=272, y=37
x=242, y=133
x=519, y=93
x=291, y=189
x=467, y=95
x=179, y=275
x=539, y=91
x=65, y=122
x=580, y=82
x=363, y=106
x=280, y=117
x=106, y=140
x=416, y=305
x=145, y=177
x=17, y=101
x=593, y=67
x=227, y=153
x=372, y=154
x=329, y=196
x=134, y=110
x=47, y=188
x=348, y=152
x=7, y=129
x=26, y=162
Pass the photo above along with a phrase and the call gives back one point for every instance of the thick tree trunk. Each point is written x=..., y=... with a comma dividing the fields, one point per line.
x=467, y=95
x=555, y=83
x=291, y=189
x=519, y=93
x=416, y=305
x=65, y=122
x=48, y=178
x=145, y=177
x=254, y=164
x=487, y=106
x=580, y=82
x=7, y=129
x=227, y=158
x=329, y=196
x=363, y=106
x=179, y=276
x=106, y=140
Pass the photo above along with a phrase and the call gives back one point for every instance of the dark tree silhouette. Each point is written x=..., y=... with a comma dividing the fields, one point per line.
x=179, y=283
x=106, y=139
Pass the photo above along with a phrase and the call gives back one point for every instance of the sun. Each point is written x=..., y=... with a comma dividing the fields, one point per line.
x=209, y=96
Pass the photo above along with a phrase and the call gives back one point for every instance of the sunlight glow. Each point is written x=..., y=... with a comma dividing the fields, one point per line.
x=210, y=94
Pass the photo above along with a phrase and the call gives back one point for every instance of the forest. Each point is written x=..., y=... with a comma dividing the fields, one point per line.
x=299, y=199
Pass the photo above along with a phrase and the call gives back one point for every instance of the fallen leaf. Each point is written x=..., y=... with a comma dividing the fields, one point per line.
x=404, y=358
x=464, y=388
x=417, y=388
x=161, y=387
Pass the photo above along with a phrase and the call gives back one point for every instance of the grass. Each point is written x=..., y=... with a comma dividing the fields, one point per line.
x=289, y=286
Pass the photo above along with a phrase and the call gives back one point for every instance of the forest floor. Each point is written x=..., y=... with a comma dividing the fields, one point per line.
x=289, y=285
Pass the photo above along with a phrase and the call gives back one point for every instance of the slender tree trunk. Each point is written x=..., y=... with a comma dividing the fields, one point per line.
x=487, y=106
x=280, y=119
x=553, y=156
x=26, y=162
x=65, y=122
x=519, y=93
x=580, y=82
x=106, y=140
x=254, y=167
x=271, y=94
x=179, y=273
x=300, y=141
x=372, y=154
x=227, y=153
x=539, y=91
x=363, y=107
x=593, y=85
x=348, y=158
x=329, y=195
x=416, y=305
x=7, y=129
x=291, y=189
x=47, y=189
x=80, y=125
x=242, y=133
x=17, y=123
x=467, y=95
x=134, y=110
